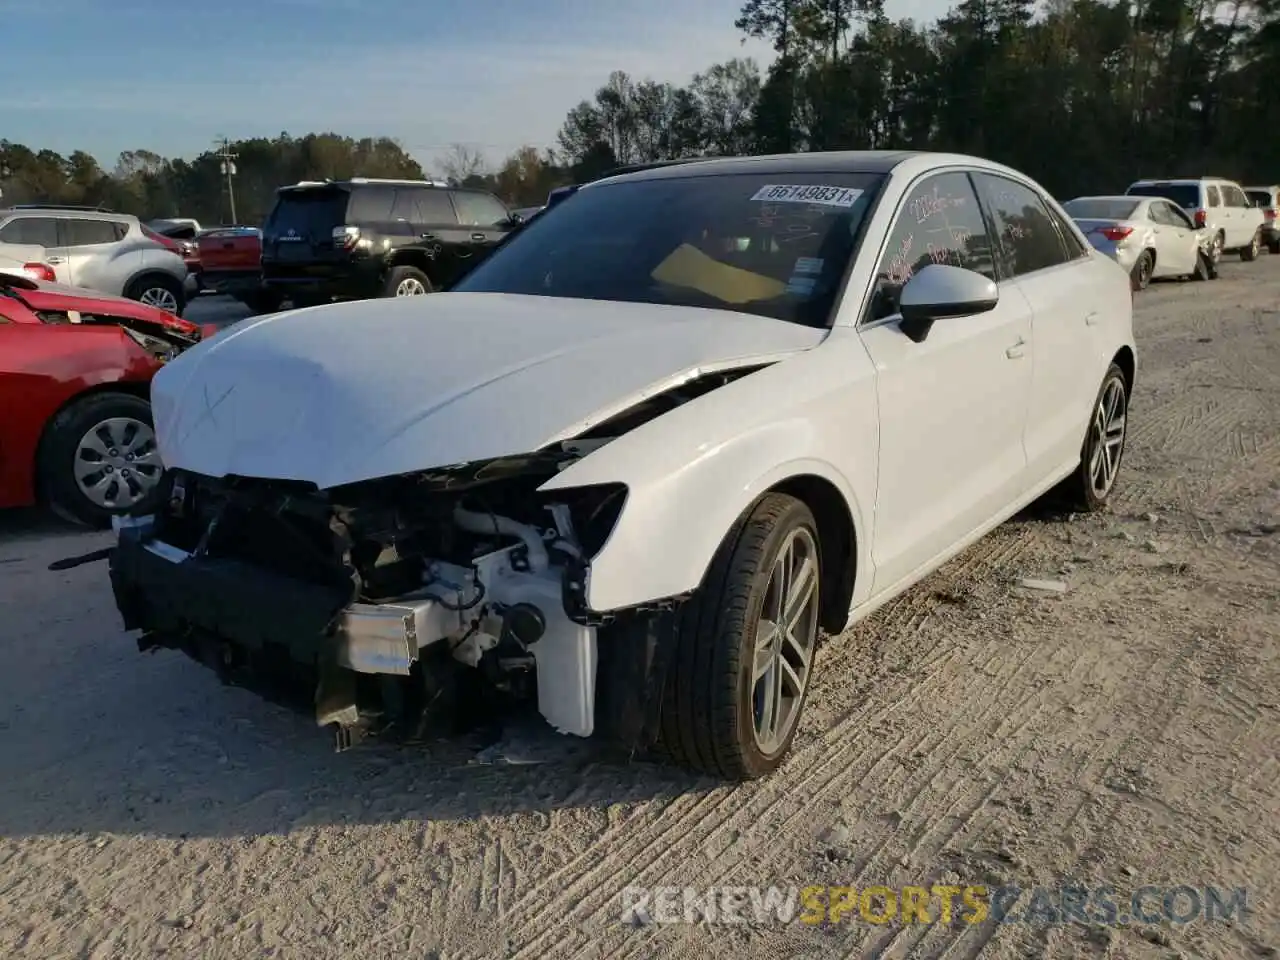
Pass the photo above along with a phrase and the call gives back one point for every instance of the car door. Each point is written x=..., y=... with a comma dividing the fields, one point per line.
x=1176, y=241
x=1217, y=217
x=1248, y=217
x=446, y=242
x=952, y=406
x=40, y=232
x=1187, y=233
x=91, y=244
x=485, y=216
x=1046, y=263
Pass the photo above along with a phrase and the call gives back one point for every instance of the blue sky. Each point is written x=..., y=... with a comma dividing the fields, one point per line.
x=112, y=75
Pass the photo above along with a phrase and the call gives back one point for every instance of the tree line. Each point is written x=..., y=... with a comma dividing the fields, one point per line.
x=1084, y=95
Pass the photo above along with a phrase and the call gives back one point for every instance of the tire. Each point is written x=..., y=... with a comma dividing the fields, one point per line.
x=1080, y=489
x=403, y=278
x=1140, y=275
x=1274, y=245
x=709, y=719
x=61, y=452
x=1250, y=253
x=1203, y=270
x=158, y=290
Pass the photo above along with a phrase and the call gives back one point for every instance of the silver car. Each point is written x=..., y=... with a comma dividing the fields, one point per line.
x=97, y=250
x=1150, y=237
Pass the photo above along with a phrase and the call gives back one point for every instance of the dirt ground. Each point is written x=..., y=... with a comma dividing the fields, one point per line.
x=1124, y=731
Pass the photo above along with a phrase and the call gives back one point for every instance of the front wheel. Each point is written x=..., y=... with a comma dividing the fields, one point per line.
x=99, y=458
x=745, y=646
x=1250, y=253
x=1140, y=276
x=1204, y=269
x=1089, y=488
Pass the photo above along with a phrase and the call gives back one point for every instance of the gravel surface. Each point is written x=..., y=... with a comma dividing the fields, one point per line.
x=1117, y=726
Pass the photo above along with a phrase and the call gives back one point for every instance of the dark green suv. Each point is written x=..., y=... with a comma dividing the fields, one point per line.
x=359, y=238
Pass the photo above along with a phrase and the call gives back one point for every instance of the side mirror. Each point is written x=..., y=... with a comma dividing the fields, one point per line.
x=514, y=219
x=939, y=292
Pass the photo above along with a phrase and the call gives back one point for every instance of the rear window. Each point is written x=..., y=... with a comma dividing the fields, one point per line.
x=1100, y=208
x=1185, y=195
x=1259, y=198
x=309, y=213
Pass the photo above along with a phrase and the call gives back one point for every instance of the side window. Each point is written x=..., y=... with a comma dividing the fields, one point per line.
x=434, y=207
x=370, y=204
x=939, y=222
x=479, y=209
x=406, y=208
x=121, y=229
x=1159, y=213
x=84, y=233
x=1074, y=246
x=1027, y=238
x=1179, y=218
x=35, y=231
x=1214, y=199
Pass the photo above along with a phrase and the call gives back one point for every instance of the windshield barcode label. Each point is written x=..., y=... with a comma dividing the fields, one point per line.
x=792, y=193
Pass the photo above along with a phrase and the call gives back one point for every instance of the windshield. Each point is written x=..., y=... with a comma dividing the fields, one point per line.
x=1185, y=195
x=1100, y=208
x=775, y=245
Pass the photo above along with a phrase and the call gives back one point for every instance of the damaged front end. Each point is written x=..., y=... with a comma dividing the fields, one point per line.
x=388, y=605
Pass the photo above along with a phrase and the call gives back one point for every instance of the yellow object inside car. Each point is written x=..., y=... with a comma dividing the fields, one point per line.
x=687, y=266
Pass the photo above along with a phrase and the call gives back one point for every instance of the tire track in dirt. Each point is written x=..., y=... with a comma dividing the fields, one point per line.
x=678, y=820
x=813, y=786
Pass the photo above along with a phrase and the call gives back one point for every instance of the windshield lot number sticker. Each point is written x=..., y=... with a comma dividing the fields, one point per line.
x=825, y=196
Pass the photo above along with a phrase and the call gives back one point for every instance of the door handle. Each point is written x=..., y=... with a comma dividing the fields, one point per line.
x=479, y=237
x=54, y=261
x=1016, y=351
x=428, y=236
x=1092, y=319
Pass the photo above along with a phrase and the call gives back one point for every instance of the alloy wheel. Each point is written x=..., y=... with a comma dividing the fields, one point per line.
x=161, y=298
x=116, y=463
x=410, y=287
x=786, y=638
x=1106, y=437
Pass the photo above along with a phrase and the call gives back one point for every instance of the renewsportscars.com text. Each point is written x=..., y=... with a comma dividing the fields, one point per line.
x=938, y=903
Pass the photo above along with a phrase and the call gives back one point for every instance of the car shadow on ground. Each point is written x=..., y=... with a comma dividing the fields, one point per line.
x=34, y=523
x=158, y=746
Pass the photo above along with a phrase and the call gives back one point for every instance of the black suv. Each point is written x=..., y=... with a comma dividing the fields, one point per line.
x=362, y=238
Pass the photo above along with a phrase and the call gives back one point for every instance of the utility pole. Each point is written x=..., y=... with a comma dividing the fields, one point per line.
x=228, y=166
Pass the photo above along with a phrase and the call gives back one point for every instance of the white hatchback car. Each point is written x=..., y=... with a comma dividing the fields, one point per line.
x=642, y=457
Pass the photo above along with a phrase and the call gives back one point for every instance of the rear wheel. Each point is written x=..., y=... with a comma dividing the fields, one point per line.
x=99, y=458
x=1274, y=245
x=1142, y=270
x=1089, y=488
x=1251, y=252
x=745, y=646
x=406, y=281
x=158, y=290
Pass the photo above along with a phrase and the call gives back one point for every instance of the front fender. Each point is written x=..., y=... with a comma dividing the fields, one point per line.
x=674, y=521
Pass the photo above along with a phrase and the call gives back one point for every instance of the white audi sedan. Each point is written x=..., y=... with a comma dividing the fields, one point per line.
x=635, y=465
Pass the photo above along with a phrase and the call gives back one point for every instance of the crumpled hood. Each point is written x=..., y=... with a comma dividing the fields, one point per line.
x=348, y=392
x=57, y=296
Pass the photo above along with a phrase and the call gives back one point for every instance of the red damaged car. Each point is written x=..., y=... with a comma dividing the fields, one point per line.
x=75, y=375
